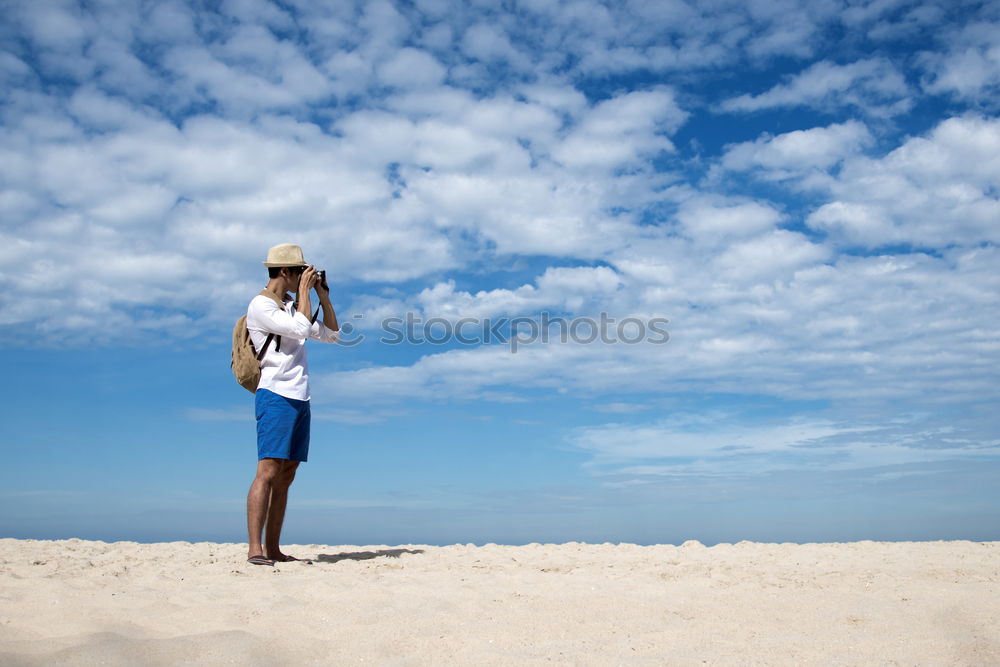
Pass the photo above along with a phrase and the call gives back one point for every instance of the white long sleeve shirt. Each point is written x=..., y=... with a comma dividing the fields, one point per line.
x=284, y=371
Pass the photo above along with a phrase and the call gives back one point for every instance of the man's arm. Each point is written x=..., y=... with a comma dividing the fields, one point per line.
x=306, y=282
x=265, y=315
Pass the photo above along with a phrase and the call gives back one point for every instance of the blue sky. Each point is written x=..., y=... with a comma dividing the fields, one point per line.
x=807, y=191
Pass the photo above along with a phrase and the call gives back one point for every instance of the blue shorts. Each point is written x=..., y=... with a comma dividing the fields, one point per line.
x=282, y=427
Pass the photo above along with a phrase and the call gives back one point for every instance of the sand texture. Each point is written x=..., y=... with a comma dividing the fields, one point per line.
x=78, y=602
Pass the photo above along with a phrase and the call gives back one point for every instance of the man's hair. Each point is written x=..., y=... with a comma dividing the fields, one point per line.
x=275, y=271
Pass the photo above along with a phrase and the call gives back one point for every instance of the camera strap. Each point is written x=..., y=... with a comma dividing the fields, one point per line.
x=295, y=306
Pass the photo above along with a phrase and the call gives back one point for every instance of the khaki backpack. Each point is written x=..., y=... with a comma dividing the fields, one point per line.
x=246, y=360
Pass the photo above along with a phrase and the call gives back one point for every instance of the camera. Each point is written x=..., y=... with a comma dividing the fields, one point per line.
x=322, y=278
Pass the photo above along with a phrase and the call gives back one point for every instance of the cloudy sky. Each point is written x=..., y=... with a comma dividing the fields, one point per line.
x=805, y=191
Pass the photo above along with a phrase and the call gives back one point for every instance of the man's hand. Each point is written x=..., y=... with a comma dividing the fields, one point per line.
x=307, y=280
x=322, y=288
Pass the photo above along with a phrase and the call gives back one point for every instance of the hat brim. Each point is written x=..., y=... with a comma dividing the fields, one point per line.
x=282, y=265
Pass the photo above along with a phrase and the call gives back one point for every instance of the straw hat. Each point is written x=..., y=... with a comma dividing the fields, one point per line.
x=286, y=254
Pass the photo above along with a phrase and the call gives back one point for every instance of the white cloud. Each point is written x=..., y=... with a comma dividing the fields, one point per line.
x=13, y=68
x=487, y=42
x=665, y=36
x=258, y=11
x=860, y=223
x=384, y=26
x=719, y=444
x=213, y=192
x=556, y=289
x=433, y=8
x=931, y=191
x=622, y=130
x=772, y=254
x=969, y=67
x=120, y=71
x=412, y=68
x=771, y=315
x=250, y=71
x=873, y=85
x=618, y=407
x=438, y=37
x=56, y=25
x=710, y=223
x=531, y=215
x=793, y=153
x=493, y=165
x=229, y=188
x=169, y=21
x=698, y=437
x=350, y=72
x=907, y=24
x=561, y=98
x=789, y=28
x=95, y=110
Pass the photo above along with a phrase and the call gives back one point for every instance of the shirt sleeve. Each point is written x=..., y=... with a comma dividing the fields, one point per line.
x=320, y=332
x=265, y=315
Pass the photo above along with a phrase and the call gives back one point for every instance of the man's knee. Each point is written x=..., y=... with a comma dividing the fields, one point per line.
x=269, y=470
x=287, y=473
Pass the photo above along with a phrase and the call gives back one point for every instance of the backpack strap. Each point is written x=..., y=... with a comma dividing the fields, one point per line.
x=263, y=349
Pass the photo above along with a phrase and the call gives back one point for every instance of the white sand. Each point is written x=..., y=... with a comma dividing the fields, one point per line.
x=77, y=602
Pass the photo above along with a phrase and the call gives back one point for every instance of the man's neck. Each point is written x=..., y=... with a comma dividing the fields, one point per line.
x=277, y=287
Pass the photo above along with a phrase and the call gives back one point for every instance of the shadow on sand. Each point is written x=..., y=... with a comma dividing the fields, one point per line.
x=365, y=555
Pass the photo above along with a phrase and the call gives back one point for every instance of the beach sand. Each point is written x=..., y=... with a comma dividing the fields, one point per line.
x=79, y=602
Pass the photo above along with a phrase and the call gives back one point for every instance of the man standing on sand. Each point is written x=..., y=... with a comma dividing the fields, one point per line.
x=282, y=397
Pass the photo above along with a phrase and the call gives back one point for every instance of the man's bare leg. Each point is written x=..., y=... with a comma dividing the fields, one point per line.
x=276, y=510
x=258, y=499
